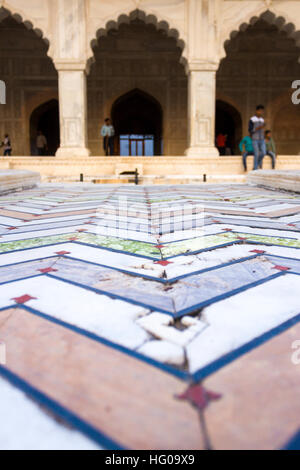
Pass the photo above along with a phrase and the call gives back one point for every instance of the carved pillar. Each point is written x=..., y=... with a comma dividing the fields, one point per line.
x=70, y=55
x=201, y=111
x=73, y=113
x=203, y=59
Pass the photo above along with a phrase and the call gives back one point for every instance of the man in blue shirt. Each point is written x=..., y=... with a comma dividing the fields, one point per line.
x=246, y=148
x=257, y=133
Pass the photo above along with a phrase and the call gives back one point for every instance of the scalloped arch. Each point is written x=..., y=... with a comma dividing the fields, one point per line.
x=21, y=17
x=125, y=18
x=281, y=22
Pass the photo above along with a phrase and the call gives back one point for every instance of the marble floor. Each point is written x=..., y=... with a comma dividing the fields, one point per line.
x=149, y=317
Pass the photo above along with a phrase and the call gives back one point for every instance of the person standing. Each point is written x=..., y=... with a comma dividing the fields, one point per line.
x=270, y=148
x=246, y=147
x=221, y=143
x=41, y=143
x=108, y=134
x=257, y=133
x=7, y=146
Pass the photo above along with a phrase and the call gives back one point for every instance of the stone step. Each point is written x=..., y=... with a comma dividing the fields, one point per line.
x=17, y=180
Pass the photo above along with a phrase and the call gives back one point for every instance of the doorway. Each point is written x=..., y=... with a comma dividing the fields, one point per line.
x=45, y=118
x=137, y=118
x=229, y=122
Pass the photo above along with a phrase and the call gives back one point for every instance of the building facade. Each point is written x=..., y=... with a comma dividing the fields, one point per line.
x=170, y=73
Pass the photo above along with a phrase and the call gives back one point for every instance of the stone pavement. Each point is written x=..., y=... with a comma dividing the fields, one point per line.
x=116, y=300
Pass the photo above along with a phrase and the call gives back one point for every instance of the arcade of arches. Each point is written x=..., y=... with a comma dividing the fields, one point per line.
x=138, y=80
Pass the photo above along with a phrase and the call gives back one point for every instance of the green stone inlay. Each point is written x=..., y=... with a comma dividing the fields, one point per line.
x=34, y=242
x=293, y=243
x=197, y=244
x=130, y=246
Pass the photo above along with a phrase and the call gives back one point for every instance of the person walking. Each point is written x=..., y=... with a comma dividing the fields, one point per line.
x=246, y=148
x=270, y=148
x=256, y=131
x=108, y=134
x=41, y=144
x=7, y=146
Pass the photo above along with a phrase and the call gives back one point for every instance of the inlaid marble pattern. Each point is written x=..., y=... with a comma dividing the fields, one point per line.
x=172, y=284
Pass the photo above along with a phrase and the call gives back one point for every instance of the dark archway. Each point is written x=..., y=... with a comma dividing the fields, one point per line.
x=260, y=65
x=137, y=118
x=46, y=119
x=229, y=122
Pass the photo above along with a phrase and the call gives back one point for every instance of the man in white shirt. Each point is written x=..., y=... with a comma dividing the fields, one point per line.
x=108, y=133
x=41, y=143
x=257, y=132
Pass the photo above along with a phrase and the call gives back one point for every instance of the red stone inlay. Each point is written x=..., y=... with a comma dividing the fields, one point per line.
x=163, y=263
x=282, y=268
x=62, y=253
x=199, y=397
x=47, y=270
x=23, y=299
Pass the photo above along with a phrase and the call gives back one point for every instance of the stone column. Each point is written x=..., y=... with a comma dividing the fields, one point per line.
x=73, y=112
x=201, y=110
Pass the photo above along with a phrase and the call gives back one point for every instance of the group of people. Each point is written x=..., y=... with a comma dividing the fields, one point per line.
x=41, y=145
x=259, y=142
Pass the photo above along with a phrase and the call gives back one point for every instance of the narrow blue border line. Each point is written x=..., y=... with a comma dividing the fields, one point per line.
x=291, y=270
x=40, y=229
x=124, y=271
x=174, y=314
x=212, y=268
x=159, y=279
x=55, y=407
x=30, y=276
x=264, y=243
x=281, y=257
x=182, y=375
x=29, y=261
x=109, y=294
x=10, y=217
x=227, y=295
x=203, y=250
x=293, y=443
x=164, y=243
x=262, y=235
x=6, y=226
x=253, y=225
x=223, y=361
x=78, y=242
x=37, y=237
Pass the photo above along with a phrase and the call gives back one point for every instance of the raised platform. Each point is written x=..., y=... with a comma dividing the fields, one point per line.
x=287, y=180
x=17, y=180
x=152, y=170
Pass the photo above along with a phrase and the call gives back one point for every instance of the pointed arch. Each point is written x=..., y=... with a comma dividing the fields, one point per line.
x=139, y=113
